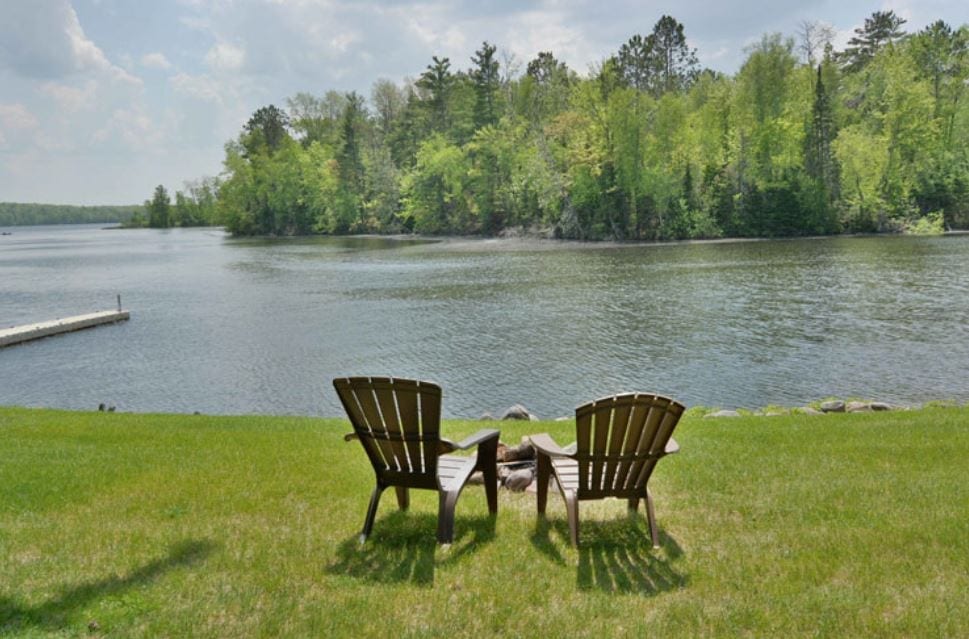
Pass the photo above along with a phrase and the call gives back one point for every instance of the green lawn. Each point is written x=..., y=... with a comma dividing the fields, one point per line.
x=167, y=525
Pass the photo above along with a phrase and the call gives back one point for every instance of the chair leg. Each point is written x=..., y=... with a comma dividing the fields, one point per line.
x=403, y=498
x=445, y=516
x=651, y=516
x=371, y=512
x=633, y=504
x=487, y=463
x=572, y=507
x=544, y=472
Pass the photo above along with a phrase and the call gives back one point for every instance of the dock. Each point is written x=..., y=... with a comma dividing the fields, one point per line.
x=28, y=332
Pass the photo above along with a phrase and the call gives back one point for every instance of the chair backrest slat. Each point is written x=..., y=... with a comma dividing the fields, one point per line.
x=410, y=421
x=619, y=440
x=634, y=432
x=602, y=422
x=348, y=397
x=396, y=420
x=622, y=408
x=655, y=410
x=583, y=435
x=375, y=424
x=664, y=429
x=383, y=389
x=430, y=406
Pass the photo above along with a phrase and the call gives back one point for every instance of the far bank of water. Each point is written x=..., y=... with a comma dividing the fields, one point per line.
x=255, y=326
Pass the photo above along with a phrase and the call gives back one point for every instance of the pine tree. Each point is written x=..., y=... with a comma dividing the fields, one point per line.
x=676, y=63
x=437, y=81
x=819, y=160
x=636, y=64
x=882, y=28
x=484, y=76
x=351, y=166
x=159, y=209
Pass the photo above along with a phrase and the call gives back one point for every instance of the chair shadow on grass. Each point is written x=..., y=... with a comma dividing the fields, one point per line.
x=402, y=545
x=615, y=556
x=56, y=612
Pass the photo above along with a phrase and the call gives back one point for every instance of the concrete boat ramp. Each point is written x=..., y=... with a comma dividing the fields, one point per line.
x=28, y=332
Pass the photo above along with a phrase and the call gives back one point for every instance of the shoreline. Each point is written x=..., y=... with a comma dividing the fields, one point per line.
x=813, y=408
x=540, y=240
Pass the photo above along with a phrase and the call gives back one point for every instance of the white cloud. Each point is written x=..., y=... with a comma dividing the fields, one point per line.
x=44, y=39
x=200, y=87
x=72, y=98
x=17, y=116
x=342, y=41
x=133, y=127
x=16, y=123
x=225, y=57
x=155, y=60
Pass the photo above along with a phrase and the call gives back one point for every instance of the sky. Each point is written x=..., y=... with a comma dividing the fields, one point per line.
x=101, y=100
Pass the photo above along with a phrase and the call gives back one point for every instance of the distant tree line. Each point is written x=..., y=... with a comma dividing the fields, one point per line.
x=16, y=214
x=802, y=140
x=194, y=206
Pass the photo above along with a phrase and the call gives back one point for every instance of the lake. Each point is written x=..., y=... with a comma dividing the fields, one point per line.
x=222, y=325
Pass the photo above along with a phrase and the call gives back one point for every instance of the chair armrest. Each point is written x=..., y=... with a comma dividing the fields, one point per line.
x=671, y=447
x=481, y=436
x=544, y=444
x=350, y=436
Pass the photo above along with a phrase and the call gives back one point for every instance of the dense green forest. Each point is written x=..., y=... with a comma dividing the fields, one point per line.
x=802, y=140
x=13, y=214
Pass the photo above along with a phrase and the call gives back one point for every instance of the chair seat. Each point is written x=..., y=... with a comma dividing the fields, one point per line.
x=566, y=473
x=453, y=470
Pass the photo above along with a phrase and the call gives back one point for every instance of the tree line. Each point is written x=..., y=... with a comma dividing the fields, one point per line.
x=21, y=214
x=802, y=140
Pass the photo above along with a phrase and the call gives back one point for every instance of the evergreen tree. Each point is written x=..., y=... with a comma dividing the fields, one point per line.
x=675, y=63
x=484, y=76
x=437, y=82
x=348, y=156
x=545, y=87
x=942, y=56
x=545, y=69
x=882, y=28
x=636, y=63
x=819, y=161
x=159, y=209
x=266, y=129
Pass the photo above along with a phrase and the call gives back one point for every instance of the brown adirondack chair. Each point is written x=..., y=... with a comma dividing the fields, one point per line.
x=398, y=422
x=619, y=439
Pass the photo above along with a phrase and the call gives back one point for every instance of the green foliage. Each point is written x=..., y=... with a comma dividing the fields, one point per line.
x=196, y=206
x=643, y=148
x=484, y=77
x=266, y=130
x=434, y=198
x=660, y=62
x=158, y=209
x=882, y=28
x=929, y=224
x=437, y=82
x=17, y=214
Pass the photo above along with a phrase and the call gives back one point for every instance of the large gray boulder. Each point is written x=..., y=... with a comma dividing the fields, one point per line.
x=518, y=480
x=834, y=406
x=858, y=407
x=517, y=412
